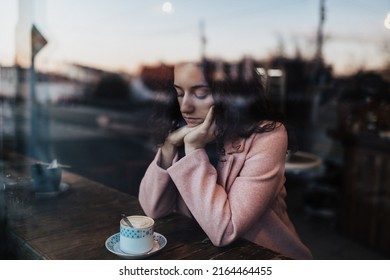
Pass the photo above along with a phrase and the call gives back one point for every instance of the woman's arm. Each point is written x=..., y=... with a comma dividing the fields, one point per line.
x=225, y=216
x=157, y=194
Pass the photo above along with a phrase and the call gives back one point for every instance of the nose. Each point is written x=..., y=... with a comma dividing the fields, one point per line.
x=187, y=104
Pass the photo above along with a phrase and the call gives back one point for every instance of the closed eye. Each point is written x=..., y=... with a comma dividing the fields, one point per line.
x=179, y=91
x=199, y=91
x=202, y=92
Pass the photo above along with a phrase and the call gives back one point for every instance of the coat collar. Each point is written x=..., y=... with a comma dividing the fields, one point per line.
x=236, y=146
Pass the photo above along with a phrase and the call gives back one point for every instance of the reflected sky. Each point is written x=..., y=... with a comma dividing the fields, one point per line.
x=122, y=34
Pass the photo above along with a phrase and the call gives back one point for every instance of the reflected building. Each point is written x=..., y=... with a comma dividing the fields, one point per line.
x=71, y=85
x=288, y=81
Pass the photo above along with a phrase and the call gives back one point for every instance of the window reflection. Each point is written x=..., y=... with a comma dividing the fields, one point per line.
x=95, y=84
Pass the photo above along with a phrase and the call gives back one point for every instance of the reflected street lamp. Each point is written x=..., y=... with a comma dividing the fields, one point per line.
x=387, y=21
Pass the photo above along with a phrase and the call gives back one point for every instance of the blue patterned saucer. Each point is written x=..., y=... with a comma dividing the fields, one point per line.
x=112, y=245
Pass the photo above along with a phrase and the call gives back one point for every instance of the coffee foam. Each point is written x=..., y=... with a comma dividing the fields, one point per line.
x=139, y=221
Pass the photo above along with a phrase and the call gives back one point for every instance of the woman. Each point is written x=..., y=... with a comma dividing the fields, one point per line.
x=221, y=161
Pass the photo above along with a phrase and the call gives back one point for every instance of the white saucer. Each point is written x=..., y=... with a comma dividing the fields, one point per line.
x=64, y=187
x=112, y=245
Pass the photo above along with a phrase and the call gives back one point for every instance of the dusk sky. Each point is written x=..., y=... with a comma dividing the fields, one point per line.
x=120, y=35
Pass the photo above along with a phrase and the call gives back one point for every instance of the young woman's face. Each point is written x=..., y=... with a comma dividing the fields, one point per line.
x=193, y=93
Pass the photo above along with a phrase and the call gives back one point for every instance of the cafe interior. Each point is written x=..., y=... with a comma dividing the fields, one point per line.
x=68, y=162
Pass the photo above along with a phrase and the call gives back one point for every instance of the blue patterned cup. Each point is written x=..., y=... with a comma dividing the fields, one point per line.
x=139, y=238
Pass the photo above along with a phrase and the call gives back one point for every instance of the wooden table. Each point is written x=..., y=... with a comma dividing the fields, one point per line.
x=76, y=224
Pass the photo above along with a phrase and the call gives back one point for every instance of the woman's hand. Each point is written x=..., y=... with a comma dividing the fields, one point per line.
x=174, y=140
x=192, y=137
x=176, y=137
x=202, y=134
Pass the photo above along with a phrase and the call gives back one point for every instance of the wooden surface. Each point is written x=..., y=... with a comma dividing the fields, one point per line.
x=76, y=224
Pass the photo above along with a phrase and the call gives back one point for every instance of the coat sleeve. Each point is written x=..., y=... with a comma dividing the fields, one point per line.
x=226, y=215
x=157, y=194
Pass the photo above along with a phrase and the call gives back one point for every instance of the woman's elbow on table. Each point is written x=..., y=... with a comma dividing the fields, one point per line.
x=151, y=214
x=154, y=212
x=220, y=243
x=222, y=240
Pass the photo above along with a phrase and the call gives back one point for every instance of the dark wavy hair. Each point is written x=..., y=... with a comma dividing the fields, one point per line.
x=241, y=107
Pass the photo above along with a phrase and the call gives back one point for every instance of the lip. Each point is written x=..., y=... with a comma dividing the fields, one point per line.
x=193, y=121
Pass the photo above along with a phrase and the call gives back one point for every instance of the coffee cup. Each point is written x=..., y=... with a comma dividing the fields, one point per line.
x=46, y=179
x=137, y=239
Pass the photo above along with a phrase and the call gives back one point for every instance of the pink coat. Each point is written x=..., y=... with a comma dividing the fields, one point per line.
x=244, y=197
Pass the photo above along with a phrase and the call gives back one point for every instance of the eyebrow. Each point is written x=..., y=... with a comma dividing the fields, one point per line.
x=193, y=87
